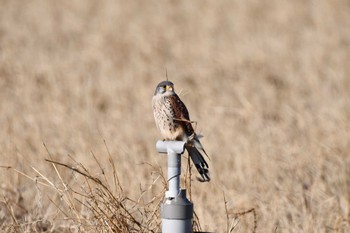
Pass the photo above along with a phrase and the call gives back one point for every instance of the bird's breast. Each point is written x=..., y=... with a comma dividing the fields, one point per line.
x=165, y=119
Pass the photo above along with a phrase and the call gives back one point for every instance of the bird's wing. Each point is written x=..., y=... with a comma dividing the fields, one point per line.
x=181, y=114
x=193, y=146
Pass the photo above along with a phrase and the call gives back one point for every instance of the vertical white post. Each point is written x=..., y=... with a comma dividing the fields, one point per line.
x=174, y=172
x=177, y=210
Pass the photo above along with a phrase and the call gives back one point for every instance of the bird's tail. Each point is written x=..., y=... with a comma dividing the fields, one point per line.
x=199, y=162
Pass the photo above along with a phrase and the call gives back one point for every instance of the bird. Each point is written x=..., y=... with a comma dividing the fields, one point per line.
x=173, y=121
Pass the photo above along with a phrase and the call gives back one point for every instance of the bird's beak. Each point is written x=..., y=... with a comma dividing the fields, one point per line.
x=169, y=88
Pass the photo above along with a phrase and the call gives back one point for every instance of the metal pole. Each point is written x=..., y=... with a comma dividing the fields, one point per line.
x=174, y=172
x=176, y=210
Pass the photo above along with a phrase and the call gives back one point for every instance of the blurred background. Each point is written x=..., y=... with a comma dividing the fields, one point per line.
x=267, y=81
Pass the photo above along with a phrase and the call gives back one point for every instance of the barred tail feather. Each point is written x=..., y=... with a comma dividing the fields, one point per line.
x=199, y=162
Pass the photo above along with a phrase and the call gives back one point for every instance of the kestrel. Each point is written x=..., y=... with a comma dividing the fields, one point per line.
x=173, y=121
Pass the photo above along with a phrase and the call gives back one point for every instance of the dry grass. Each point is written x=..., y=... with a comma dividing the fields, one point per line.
x=268, y=83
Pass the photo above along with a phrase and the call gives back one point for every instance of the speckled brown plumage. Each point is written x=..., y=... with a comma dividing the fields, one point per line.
x=173, y=121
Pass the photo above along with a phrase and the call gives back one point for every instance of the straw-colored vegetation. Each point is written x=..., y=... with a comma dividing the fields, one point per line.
x=267, y=81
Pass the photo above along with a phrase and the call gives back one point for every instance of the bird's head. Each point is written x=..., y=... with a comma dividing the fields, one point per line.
x=165, y=87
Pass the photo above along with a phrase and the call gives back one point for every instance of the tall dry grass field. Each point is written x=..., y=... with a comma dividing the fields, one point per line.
x=267, y=81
